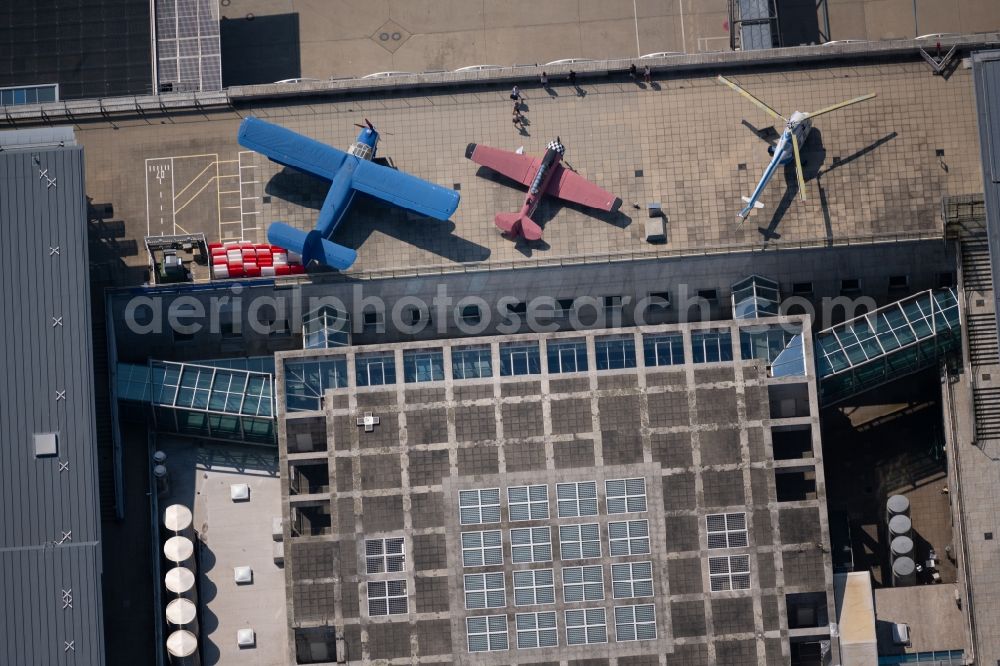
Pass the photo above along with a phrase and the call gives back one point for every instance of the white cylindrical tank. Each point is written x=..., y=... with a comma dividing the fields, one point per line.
x=178, y=521
x=897, y=504
x=162, y=480
x=902, y=546
x=182, y=648
x=899, y=525
x=159, y=458
x=183, y=614
x=904, y=572
x=180, y=582
x=179, y=551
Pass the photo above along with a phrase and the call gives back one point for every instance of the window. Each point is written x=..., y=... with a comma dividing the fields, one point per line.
x=632, y=579
x=583, y=583
x=612, y=306
x=567, y=356
x=29, y=95
x=729, y=573
x=471, y=362
x=534, y=587
x=413, y=315
x=531, y=544
x=485, y=590
x=387, y=597
x=626, y=495
x=635, y=623
x=629, y=538
x=804, y=289
x=663, y=349
x=577, y=542
x=564, y=306
x=659, y=299
x=536, y=630
x=471, y=315
x=479, y=506
x=586, y=626
x=577, y=499
x=384, y=555
x=945, y=280
x=375, y=369
x=373, y=322
x=517, y=308
x=899, y=282
x=481, y=549
x=711, y=346
x=528, y=502
x=519, y=359
x=423, y=365
x=306, y=382
x=614, y=353
x=727, y=530
x=850, y=287
x=487, y=634
x=710, y=295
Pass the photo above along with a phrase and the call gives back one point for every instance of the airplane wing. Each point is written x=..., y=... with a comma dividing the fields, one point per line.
x=290, y=148
x=521, y=168
x=402, y=189
x=572, y=187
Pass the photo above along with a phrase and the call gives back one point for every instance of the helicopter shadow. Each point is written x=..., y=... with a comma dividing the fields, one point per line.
x=368, y=215
x=813, y=159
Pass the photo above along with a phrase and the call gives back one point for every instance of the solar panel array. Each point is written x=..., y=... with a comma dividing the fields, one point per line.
x=188, y=47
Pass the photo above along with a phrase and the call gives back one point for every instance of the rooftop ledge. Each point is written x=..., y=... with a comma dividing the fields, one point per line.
x=692, y=62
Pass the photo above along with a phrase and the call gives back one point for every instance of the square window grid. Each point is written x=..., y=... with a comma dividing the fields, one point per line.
x=534, y=587
x=479, y=506
x=711, y=346
x=663, y=349
x=387, y=597
x=567, y=356
x=528, y=502
x=635, y=623
x=485, y=590
x=536, y=630
x=425, y=365
x=531, y=544
x=626, y=495
x=632, y=579
x=384, y=555
x=727, y=530
x=583, y=583
x=482, y=549
x=729, y=573
x=471, y=362
x=577, y=542
x=586, y=626
x=487, y=634
x=629, y=537
x=615, y=353
x=519, y=359
x=375, y=370
x=577, y=499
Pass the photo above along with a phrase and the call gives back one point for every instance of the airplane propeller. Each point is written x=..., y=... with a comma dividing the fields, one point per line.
x=369, y=125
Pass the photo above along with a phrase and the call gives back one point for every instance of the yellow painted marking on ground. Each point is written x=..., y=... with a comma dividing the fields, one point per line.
x=200, y=174
x=177, y=210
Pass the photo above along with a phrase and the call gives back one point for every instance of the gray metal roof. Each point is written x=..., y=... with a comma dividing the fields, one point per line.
x=50, y=558
x=986, y=73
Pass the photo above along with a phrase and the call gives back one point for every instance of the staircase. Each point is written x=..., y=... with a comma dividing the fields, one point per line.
x=987, y=407
x=982, y=332
x=976, y=265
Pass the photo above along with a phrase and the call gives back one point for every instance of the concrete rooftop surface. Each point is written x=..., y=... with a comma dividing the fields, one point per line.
x=880, y=167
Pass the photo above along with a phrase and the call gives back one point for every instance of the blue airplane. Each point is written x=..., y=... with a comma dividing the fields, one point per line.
x=348, y=173
x=797, y=128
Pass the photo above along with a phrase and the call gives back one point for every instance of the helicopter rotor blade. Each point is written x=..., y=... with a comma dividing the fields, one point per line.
x=798, y=165
x=753, y=100
x=839, y=105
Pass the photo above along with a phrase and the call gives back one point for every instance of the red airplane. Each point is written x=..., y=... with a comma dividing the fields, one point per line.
x=542, y=176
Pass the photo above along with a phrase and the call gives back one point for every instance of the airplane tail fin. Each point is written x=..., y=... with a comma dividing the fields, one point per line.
x=312, y=246
x=756, y=204
x=516, y=224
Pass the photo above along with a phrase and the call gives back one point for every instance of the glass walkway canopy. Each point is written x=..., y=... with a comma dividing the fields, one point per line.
x=891, y=342
x=217, y=402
